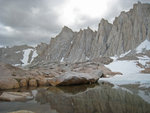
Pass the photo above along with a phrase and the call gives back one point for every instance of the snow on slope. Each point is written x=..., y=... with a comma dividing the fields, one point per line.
x=144, y=45
x=125, y=67
x=131, y=74
x=34, y=55
x=129, y=69
x=26, y=56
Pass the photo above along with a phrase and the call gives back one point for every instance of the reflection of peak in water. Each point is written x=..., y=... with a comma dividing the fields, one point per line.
x=95, y=100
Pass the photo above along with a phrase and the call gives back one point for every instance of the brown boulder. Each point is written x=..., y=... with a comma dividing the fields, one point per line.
x=73, y=78
x=33, y=83
x=42, y=81
x=23, y=83
x=8, y=83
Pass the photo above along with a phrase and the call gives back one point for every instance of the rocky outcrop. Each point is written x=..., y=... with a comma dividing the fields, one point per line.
x=53, y=74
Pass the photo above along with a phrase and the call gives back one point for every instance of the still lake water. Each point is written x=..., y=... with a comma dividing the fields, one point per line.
x=81, y=99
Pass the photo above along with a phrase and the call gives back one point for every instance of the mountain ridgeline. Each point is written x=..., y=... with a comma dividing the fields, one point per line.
x=126, y=33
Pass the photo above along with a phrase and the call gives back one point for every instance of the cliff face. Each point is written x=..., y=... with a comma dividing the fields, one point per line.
x=99, y=45
x=126, y=33
x=68, y=46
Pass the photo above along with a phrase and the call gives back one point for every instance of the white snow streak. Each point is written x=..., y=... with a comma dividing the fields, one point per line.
x=34, y=55
x=26, y=56
x=62, y=59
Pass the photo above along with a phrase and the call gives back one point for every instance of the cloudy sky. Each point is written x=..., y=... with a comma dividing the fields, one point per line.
x=34, y=21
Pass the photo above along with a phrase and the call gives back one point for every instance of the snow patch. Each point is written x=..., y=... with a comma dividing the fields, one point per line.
x=62, y=59
x=18, y=51
x=143, y=60
x=125, y=67
x=144, y=45
x=26, y=56
x=34, y=55
x=114, y=57
x=131, y=74
x=87, y=58
x=16, y=65
x=124, y=54
x=1, y=46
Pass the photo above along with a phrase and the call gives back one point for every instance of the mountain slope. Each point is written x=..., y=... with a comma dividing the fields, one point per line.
x=126, y=33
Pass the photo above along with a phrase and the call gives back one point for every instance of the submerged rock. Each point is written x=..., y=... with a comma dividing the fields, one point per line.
x=15, y=96
x=22, y=111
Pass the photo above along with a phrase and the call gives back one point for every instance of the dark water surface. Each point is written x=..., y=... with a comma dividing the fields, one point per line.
x=80, y=99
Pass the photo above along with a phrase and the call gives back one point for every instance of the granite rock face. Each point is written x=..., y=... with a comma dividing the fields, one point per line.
x=99, y=45
x=68, y=46
x=128, y=30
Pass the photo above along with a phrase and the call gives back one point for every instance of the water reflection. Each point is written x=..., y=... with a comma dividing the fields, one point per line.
x=93, y=99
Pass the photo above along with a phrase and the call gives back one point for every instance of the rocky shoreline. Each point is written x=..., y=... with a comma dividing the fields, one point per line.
x=53, y=75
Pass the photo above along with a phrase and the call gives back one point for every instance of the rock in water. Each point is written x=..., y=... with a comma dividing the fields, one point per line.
x=73, y=78
x=15, y=96
x=22, y=111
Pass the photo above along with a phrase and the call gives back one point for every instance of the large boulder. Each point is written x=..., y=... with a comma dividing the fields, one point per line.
x=8, y=83
x=42, y=81
x=33, y=82
x=73, y=78
x=23, y=83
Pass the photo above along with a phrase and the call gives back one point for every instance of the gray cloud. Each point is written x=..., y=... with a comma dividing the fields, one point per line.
x=35, y=21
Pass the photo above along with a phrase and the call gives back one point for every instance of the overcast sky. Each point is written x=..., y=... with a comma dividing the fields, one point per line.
x=34, y=21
